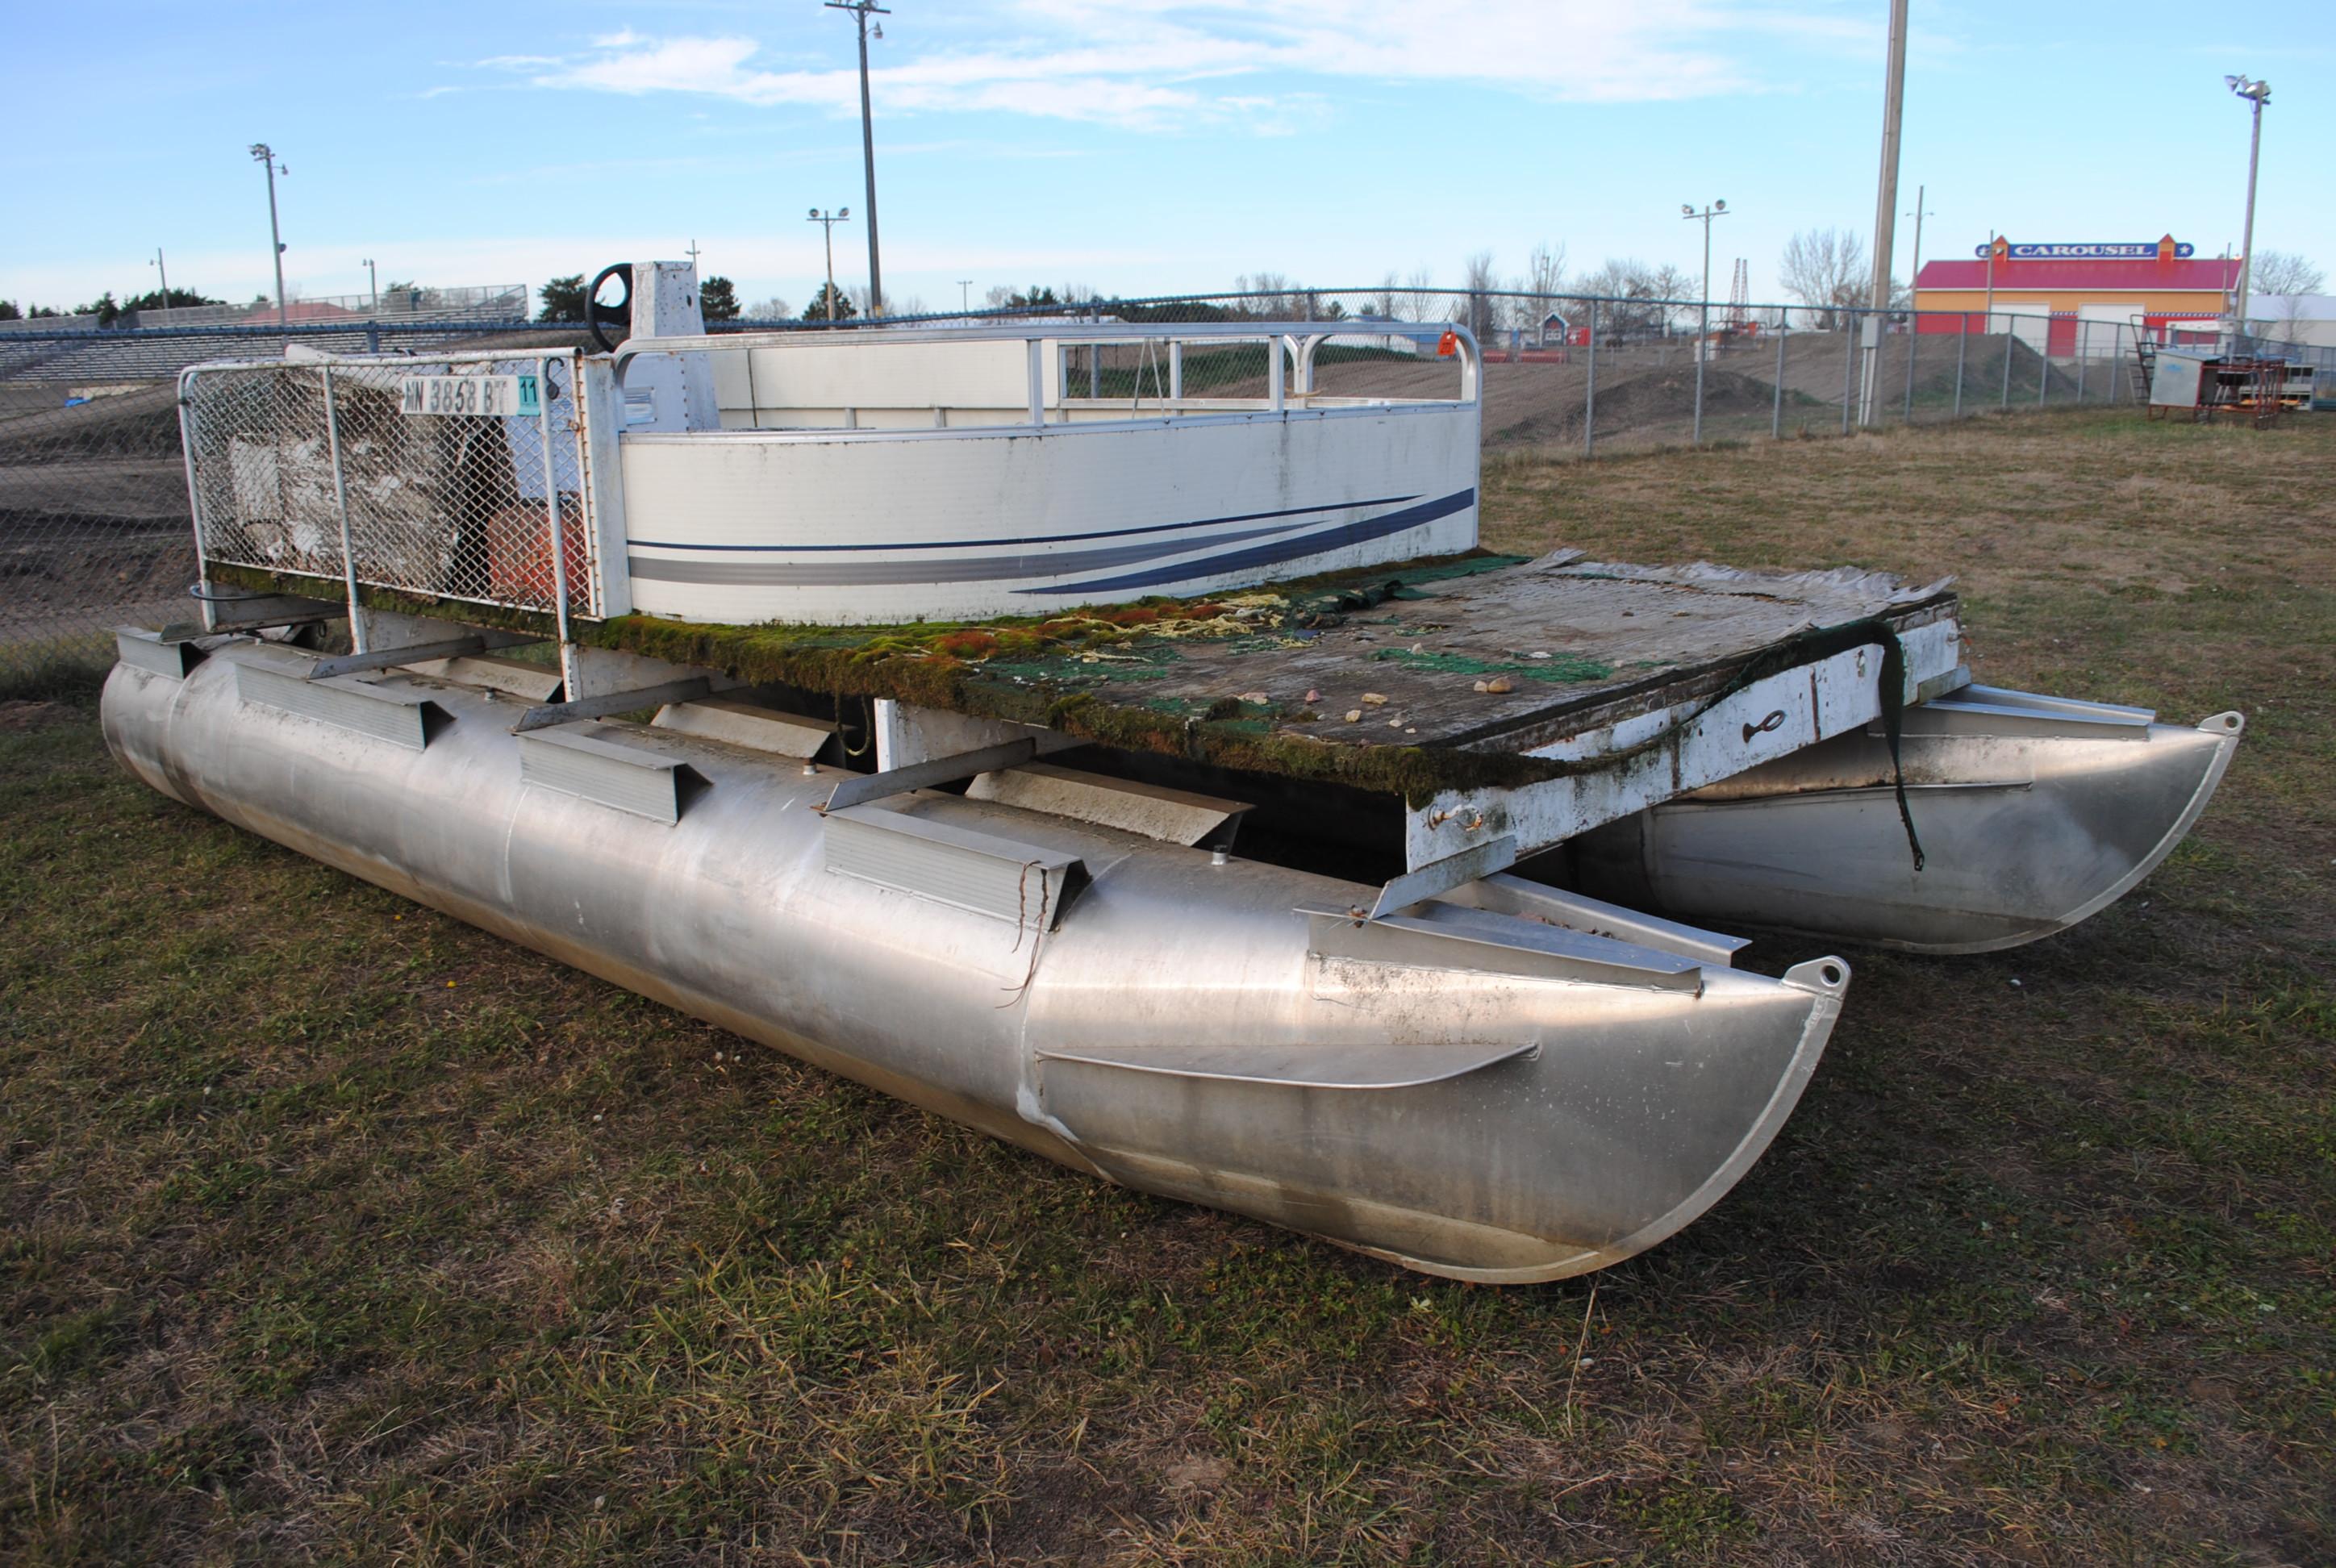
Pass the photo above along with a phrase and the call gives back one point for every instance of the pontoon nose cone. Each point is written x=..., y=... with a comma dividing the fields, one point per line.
x=1633, y=1113
x=2034, y=813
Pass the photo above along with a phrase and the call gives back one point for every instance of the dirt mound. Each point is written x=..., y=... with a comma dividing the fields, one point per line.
x=1639, y=400
x=140, y=423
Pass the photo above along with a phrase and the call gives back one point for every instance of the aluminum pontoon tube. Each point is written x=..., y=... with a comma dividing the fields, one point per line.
x=2034, y=812
x=1451, y=1094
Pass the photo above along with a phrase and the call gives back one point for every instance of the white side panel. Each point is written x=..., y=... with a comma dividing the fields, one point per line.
x=848, y=375
x=843, y=527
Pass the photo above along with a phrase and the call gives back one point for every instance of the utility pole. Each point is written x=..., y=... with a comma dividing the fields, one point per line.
x=965, y=295
x=842, y=215
x=1886, y=208
x=2259, y=94
x=692, y=253
x=1914, y=298
x=372, y=284
x=265, y=156
x=1914, y=278
x=1703, y=329
x=166, y=284
x=860, y=10
x=1992, y=236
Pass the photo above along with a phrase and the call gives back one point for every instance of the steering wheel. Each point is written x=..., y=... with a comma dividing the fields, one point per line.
x=599, y=318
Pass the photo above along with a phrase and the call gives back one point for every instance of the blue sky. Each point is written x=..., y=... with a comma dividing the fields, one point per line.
x=1140, y=146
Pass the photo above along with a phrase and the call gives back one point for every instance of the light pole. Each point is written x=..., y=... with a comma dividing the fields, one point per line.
x=265, y=156
x=2258, y=94
x=166, y=284
x=860, y=10
x=829, y=219
x=1703, y=329
x=372, y=284
x=965, y=295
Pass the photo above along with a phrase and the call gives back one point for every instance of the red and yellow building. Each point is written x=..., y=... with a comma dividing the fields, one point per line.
x=2161, y=283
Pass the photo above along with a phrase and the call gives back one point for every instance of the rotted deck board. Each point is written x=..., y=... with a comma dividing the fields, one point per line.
x=1264, y=680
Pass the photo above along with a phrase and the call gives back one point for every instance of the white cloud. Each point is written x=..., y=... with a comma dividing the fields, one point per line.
x=1162, y=64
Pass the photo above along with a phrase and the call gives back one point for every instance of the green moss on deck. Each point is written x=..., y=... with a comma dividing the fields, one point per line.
x=1060, y=671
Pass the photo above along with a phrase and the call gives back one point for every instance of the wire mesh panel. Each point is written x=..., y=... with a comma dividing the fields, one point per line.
x=450, y=478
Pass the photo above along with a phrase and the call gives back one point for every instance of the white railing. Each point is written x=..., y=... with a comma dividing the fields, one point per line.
x=904, y=368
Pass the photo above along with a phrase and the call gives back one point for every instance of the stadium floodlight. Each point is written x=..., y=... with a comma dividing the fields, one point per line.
x=2256, y=93
x=1703, y=309
x=265, y=156
x=829, y=220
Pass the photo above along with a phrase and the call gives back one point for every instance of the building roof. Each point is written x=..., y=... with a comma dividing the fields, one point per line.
x=2213, y=275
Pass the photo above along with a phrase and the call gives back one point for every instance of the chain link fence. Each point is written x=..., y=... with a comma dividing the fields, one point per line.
x=97, y=524
x=460, y=476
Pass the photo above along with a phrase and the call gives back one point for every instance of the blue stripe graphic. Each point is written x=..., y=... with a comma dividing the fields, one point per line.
x=1281, y=550
x=1035, y=538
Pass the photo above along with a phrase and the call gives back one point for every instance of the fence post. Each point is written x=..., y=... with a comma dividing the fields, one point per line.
x=552, y=504
x=1963, y=351
x=1913, y=347
x=1777, y=408
x=1590, y=400
x=1702, y=349
x=1848, y=364
x=341, y=503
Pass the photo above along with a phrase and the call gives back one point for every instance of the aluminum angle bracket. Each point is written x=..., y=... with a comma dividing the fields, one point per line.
x=401, y=716
x=574, y=761
x=1029, y=884
x=862, y=788
x=1452, y=937
x=418, y=653
x=140, y=649
x=546, y=714
x=1439, y=877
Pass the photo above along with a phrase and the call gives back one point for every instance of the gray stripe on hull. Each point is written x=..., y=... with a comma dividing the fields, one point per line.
x=930, y=569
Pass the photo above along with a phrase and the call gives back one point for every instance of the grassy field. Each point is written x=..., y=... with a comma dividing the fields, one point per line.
x=335, y=1229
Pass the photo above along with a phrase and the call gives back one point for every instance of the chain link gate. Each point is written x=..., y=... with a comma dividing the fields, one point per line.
x=460, y=477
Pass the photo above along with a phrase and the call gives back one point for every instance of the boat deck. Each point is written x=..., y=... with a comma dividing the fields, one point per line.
x=1510, y=703
x=1412, y=678
x=1436, y=674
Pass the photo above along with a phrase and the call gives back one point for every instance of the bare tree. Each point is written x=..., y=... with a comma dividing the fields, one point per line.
x=1479, y=310
x=2284, y=277
x=1544, y=276
x=1634, y=294
x=1420, y=299
x=772, y=309
x=1825, y=269
x=1278, y=298
x=1386, y=297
